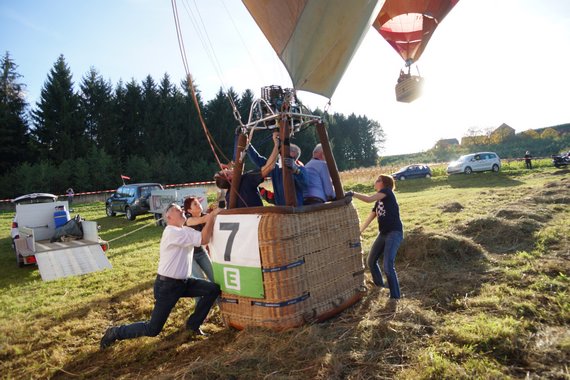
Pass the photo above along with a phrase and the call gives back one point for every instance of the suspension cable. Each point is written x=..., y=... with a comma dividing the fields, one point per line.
x=190, y=82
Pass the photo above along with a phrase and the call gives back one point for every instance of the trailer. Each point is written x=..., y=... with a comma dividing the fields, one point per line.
x=160, y=199
x=36, y=226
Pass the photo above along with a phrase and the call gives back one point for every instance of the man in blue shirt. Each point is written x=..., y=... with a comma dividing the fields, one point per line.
x=319, y=187
x=292, y=163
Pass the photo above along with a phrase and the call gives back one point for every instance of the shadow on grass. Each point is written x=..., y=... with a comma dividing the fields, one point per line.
x=12, y=274
x=174, y=355
x=481, y=180
x=120, y=232
x=475, y=180
x=419, y=184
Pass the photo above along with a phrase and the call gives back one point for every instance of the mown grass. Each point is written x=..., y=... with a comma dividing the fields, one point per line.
x=484, y=271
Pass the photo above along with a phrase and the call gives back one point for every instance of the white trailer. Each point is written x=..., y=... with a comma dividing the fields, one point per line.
x=160, y=199
x=36, y=227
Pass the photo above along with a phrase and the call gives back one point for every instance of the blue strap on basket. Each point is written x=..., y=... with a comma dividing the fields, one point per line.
x=281, y=304
x=284, y=267
x=229, y=300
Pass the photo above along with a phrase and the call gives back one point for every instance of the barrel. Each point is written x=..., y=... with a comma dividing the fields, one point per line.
x=60, y=216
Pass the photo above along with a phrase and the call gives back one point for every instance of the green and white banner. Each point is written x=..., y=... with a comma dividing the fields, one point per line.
x=235, y=255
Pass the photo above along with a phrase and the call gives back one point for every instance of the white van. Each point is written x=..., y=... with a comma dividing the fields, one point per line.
x=475, y=162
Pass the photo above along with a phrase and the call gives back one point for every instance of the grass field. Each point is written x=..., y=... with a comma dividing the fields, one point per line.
x=484, y=271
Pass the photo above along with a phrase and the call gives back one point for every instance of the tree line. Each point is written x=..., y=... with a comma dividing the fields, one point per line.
x=511, y=147
x=150, y=131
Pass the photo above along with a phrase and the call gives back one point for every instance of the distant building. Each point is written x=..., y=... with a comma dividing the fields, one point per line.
x=445, y=143
x=502, y=133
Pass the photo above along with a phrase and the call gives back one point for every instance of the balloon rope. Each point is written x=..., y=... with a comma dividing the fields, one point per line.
x=190, y=83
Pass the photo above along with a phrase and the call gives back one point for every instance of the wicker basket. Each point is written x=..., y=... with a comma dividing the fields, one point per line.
x=312, y=267
x=409, y=89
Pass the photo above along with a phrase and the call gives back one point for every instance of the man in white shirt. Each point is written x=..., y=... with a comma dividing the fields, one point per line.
x=173, y=281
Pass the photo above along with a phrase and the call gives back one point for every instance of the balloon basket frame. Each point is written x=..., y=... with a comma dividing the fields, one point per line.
x=311, y=259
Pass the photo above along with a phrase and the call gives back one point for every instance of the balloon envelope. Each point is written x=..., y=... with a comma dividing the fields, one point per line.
x=408, y=25
x=315, y=39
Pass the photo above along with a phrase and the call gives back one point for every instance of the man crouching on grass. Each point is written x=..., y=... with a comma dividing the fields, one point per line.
x=172, y=282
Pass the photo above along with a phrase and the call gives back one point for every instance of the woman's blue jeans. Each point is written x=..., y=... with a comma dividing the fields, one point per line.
x=386, y=245
x=166, y=294
x=202, y=265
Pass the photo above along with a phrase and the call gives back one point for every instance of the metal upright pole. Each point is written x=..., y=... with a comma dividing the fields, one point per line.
x=331, y=163
x=238, y=169
x=288, y=183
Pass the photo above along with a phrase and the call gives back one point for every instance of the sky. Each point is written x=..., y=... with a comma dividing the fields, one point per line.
x=489, y=62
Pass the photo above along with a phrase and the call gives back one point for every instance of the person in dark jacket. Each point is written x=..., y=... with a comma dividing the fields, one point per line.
x=248, y=192
x=528, y=160
x=390, y=235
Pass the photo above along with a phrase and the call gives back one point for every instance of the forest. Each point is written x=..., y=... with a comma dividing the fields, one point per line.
x=148, y=131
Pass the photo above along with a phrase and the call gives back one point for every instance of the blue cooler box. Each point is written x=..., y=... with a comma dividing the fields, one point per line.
x=60, y=216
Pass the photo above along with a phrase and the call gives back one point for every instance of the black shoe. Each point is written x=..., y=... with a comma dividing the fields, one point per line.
x=197, y=332
x=109, y=338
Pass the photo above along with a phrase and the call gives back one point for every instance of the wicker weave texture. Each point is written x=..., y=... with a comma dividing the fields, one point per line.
x=323, y=259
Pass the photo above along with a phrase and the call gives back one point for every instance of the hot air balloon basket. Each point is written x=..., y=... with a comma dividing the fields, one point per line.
x=312, y=267
x=409, y=89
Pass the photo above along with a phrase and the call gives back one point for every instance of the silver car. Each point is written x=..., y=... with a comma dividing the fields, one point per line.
x=475, y=162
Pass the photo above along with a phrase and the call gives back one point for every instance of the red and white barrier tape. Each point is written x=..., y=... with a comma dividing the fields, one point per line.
x=189, y=184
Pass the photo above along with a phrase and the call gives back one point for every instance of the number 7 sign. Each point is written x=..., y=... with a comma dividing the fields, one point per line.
x=235, y=255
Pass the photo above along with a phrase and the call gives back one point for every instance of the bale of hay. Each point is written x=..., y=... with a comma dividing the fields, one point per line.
x=501, y=235
x=421, y=244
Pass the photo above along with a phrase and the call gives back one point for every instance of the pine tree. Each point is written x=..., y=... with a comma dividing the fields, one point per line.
x=96, y=101
x=193, y=135
x=113, y=145
x=172, y=121
x=13, y=121
x=221, y=122
x=58, y=125
x=151, y=118
x=244, y=104
x=129, y=120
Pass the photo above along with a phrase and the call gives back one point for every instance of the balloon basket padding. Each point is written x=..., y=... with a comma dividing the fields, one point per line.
x=409, y=89
x=320, y=248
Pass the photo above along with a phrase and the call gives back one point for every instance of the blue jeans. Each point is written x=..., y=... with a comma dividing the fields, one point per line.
x=166, y=294
x=386, y=245
x=202, y=265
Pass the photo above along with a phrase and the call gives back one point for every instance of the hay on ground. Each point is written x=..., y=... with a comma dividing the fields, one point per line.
x=451, y=207
x=419, y=243
x=516, y=212
x=501, y=235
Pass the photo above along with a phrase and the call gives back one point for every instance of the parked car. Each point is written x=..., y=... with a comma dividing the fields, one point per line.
x=412, y=171
x=562, y=159
x=131, y=199
x=475, y=162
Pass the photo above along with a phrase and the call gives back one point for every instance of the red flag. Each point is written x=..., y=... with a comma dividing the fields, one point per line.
x=125, y=177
